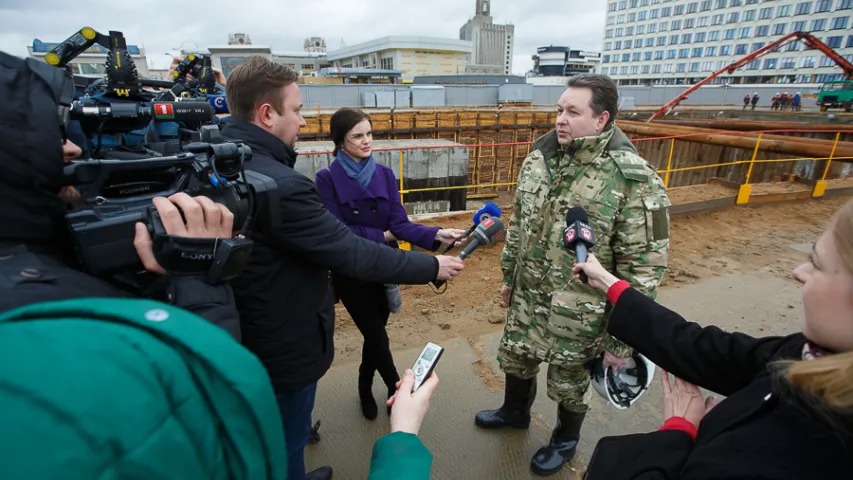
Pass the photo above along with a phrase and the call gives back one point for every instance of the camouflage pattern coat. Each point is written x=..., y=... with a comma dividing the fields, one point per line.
x=552, y=316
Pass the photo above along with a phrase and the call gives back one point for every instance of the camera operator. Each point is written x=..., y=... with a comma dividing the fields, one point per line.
x=284, y=294
x=37, y=260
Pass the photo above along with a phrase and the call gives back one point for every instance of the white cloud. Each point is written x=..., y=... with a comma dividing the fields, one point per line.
x=162, y=26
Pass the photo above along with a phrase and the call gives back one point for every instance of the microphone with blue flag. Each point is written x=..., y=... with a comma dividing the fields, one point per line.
x=489, y=210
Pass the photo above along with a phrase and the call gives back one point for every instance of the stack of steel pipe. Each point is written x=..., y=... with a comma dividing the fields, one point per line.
x=773, y=143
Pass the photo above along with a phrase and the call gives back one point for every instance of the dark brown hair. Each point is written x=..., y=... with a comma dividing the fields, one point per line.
x=605, y=95
x=256, y=82
x=342, y=122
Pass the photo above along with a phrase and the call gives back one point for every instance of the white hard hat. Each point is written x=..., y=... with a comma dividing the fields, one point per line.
x=621, y=388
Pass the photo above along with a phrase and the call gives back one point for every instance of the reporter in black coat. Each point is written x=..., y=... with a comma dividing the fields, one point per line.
x=284, y=294
x=789, y=406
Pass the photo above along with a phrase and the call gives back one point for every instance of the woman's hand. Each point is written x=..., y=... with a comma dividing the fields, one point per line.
x=448, y=236
x=389, y=237
x=598, y=277
x=683, y=400
x=410, y=408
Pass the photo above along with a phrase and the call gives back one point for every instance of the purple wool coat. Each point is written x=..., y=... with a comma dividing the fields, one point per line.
x=369, y=213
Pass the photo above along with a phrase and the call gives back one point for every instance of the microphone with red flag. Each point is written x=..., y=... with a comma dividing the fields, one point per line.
x=486, y=233
x=578, y=235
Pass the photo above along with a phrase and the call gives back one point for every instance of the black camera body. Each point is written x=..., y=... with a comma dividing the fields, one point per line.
x=118, y=193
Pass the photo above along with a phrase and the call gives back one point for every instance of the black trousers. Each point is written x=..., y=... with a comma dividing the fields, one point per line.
x=368, y=306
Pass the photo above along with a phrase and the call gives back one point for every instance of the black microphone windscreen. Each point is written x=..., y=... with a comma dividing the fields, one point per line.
x=576, y=214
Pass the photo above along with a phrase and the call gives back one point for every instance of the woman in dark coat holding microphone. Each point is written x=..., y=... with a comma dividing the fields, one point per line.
x=789, y=406
x=364, y=196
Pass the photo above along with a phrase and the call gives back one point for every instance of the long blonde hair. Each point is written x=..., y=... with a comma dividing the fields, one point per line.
x=830, y=378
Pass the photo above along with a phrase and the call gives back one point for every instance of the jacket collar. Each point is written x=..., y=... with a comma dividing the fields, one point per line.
x=260, y=141
x=348, y=190
x=586, y=148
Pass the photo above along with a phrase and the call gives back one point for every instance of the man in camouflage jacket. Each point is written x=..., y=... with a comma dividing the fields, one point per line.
x=553, y=317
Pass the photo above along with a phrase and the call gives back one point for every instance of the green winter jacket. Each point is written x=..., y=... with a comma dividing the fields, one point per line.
x=131, y=389
x=400, y=456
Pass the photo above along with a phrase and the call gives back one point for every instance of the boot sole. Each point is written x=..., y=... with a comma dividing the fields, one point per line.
x=503, y=425
x=545, y=473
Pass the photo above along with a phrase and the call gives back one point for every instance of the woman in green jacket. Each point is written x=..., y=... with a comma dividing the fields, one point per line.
x=136, y=389
x=102, y=388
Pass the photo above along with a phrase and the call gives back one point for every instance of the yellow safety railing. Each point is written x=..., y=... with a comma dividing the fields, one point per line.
x=744, y=189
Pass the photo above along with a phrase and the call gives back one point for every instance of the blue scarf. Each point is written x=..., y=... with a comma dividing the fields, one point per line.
x=361, y=172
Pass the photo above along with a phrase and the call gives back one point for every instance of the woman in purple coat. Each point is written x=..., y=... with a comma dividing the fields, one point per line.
x=364, y=196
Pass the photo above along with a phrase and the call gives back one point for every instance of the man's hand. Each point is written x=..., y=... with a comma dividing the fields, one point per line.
x=204, y=219
x=448, y=267
x=448, y=236
x=611, y=360
x=410, y=408
x=685, y=400
x=220, y=77
x=506, y=290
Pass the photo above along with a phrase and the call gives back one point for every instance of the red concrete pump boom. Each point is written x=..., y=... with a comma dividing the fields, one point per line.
x=810, y=40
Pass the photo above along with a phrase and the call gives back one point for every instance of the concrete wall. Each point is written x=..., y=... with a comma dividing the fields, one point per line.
x=422, y=168
x=336, y=96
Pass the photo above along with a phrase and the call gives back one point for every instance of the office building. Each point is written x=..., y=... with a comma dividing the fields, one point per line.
x=554, y=61
x=413, y=56
x=315, y=44
x=492, y=44
x=240, y=49
x=652, y=42
x=92, y=60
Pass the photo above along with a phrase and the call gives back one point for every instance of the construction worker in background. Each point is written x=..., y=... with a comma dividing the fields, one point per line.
x=552, y=317
x=774, y=102
x=745, y=101
x=796, y=102
x=754, y=100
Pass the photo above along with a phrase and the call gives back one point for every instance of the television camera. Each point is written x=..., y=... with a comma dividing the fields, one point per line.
x=98, y=119
x=112, y=110
x=119, y=193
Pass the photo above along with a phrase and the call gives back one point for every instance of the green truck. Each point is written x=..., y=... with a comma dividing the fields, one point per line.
x=838, y=94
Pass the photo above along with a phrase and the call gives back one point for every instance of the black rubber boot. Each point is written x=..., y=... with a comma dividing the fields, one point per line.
x=392, y=389
x=564, y=441
x=322, y=473
x=515, y=412
x=365, y=393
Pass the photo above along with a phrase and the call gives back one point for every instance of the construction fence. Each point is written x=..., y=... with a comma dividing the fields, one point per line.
x=421, y=96
x=682, y=159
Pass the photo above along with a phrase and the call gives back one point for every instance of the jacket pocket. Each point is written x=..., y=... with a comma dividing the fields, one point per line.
x=656, y=207
x=575, y=316
x=528, y=192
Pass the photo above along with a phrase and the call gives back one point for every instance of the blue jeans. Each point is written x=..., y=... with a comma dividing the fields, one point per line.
x=295, y=408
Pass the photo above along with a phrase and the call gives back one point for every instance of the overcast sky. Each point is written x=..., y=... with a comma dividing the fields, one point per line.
x=163, y=26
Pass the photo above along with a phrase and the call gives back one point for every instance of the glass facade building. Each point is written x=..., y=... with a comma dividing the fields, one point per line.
x=680, y=42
